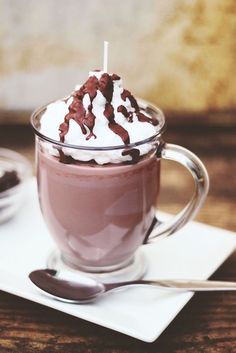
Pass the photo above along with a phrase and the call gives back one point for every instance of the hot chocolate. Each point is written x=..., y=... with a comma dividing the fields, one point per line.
x=98, y=172
x=98, y=204
x=98, y=215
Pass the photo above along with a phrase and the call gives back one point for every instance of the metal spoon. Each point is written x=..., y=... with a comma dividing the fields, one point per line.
x=87, y=289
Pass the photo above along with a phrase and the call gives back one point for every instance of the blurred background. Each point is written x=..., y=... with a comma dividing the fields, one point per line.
x=179, y=54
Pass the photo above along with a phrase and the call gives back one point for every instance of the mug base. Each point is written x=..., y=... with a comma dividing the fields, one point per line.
x=134, y=269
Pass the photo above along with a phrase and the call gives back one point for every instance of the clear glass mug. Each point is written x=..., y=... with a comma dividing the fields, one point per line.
x=101, y=215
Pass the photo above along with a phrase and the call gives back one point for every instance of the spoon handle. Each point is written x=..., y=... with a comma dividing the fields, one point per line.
x=180, y=284
x=194, y=285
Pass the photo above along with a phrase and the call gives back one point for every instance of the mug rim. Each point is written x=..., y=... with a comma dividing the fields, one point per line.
x=143, y=104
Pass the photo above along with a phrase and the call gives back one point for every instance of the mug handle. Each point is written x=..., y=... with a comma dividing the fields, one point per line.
x=194, y=165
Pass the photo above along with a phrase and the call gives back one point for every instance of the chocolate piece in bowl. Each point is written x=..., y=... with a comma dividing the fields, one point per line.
x=8, y=180
x=14, y=173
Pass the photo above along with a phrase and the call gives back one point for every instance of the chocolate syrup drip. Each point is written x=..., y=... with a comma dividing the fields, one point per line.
x=115, y=77
x=126, y=94
x=91, y=87
x=146, y=119
x=109, y=112
x=116, y=128
x=120, y=131
x=141, y=117
x=124, y=111
x=134, y=153
x=78, y=113
x=89, y=121
x=64, y=158
x=106, y=86
x=86, y=119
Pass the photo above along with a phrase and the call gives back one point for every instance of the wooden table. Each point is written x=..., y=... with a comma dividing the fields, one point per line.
x=208, y=322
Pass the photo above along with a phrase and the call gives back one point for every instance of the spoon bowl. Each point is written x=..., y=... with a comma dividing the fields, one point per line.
x=87, y=289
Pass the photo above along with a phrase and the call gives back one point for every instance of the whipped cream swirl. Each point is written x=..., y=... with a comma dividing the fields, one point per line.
x=100, y=113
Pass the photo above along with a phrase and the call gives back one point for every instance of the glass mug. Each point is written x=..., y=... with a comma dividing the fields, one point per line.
x=100, y=215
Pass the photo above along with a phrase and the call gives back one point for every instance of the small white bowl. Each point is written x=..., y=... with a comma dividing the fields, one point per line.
x=12, y=198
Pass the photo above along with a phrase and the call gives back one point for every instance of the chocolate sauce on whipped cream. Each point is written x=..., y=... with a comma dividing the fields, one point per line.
x=86, y=119
x=97, y=117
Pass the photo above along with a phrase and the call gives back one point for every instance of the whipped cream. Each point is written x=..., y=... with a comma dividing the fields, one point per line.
x=100, y=113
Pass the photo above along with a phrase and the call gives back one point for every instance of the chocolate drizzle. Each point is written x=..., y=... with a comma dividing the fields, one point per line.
x=106, y=87
x=116, y=128
x=141, y=116
x=134, y=153
x=86, y=119
x=124, y=111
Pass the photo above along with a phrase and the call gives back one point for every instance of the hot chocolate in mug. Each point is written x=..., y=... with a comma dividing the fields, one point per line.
x=100, y=215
